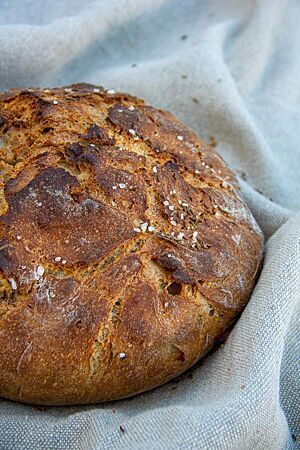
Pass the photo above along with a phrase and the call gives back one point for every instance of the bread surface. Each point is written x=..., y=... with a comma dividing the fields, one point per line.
x=126, y=247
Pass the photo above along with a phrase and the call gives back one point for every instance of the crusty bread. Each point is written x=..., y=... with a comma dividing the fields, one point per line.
x=126, y=247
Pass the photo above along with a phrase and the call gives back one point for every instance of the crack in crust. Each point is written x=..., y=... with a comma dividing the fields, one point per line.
x=121, y=233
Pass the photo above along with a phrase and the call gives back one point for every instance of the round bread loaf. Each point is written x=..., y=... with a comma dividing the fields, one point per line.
x=126, y=248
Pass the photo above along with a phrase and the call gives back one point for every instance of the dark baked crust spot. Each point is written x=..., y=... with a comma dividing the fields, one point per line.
x=98, y=134
x=61, y=224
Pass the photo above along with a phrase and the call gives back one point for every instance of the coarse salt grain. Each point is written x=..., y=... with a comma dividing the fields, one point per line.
x=131, y=131
x=40, y=271
x=131, y=108
x=111, y=91
x=144, y=227
x=173, y=223
x=151, y=228
x=171, y=207
x=197, y=171
x=138, y=230
x=185, y=204
x=236, y=238
x=195, y=234
x=57, y=259
x=13, y=283
x=96, y=90
x=19, y=237
x=122, y=355
x=55, y=102
x=166, y=203
x=64, y=261
x=67, y=90
x=155, y=169
x=122, y=185
x=169, y=255
x=218, y=214
x=180, y=236
x=39, y=204
x=114, y=188
x=180, y=138
x=92, y=145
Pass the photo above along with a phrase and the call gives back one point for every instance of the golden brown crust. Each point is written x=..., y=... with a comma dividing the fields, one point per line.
x=126, y=248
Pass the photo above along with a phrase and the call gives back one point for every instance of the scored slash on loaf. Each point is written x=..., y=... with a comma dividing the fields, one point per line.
x=126, y=247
